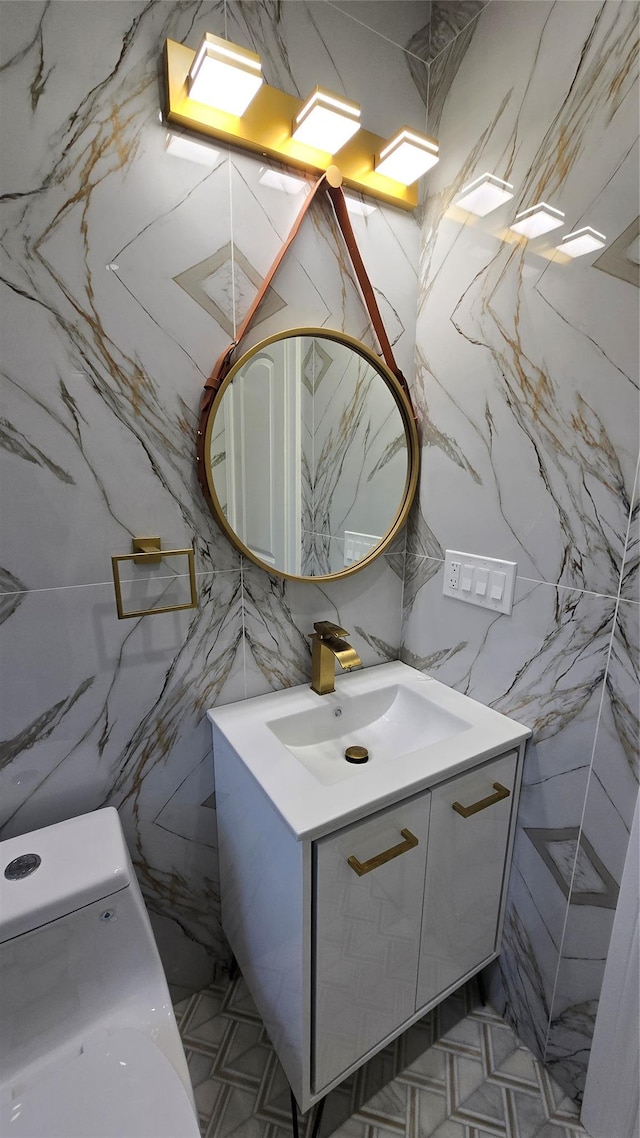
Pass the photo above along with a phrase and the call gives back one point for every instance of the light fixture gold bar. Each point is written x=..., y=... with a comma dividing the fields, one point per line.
x=266, y=126
x=151, y=558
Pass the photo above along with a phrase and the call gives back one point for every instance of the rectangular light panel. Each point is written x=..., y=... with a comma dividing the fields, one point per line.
x=326, y=122
x=539, y=219
x=582, y=241
x=484, y=194
x=407, y=156
x=224, y=75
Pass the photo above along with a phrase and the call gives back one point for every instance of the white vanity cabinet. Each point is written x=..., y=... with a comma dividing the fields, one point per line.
x=466, y=864
x=344, y=946
x=366, y=934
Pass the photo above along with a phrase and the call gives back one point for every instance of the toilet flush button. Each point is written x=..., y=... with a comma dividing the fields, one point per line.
x=22, y=866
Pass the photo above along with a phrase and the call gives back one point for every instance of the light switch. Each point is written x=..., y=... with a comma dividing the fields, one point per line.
x=475, y=580
x=497, y=586
x=482, y=580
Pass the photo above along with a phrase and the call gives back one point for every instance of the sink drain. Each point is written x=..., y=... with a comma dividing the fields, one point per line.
x=356, y=755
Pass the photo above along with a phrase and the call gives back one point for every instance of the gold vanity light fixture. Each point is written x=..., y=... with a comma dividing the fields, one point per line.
x=581, y=241
x=538, y=219
x=301, y=134
x=224, y=75
x=326, y=121
x=407, y=156
x=484, y=194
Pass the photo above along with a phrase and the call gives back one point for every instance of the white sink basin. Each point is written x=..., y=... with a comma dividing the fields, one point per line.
x=417, y=731
x=391, y=722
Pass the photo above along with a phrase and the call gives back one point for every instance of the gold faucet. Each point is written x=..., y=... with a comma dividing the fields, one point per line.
x=329, y=646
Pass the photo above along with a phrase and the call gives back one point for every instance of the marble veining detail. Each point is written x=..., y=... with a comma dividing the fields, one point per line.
x=104, y=360
x=524, y=385
x=531, y=454
x=449, y=20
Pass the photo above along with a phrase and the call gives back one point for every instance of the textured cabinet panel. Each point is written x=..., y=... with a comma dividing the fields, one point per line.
x=465, y=871
x=367, y=935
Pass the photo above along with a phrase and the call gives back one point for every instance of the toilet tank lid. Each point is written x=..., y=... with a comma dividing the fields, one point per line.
x=81, y=860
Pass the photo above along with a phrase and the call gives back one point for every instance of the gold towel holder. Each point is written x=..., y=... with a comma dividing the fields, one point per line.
x=149, y=551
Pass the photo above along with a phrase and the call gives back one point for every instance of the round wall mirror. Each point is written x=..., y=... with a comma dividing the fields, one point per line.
x=310, y=454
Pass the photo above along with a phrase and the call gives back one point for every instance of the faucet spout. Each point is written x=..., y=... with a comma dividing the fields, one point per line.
x=329, y=645
x=346, y=656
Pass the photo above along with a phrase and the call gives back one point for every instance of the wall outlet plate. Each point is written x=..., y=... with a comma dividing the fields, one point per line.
x=484, y=581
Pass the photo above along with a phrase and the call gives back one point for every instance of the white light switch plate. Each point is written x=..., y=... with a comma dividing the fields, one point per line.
x=483, y=581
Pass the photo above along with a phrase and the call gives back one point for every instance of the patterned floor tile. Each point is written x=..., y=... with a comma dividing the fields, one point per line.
x=460, y=1073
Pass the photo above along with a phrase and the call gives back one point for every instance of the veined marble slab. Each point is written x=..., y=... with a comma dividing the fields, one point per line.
x=527, y=390
x=124, y=272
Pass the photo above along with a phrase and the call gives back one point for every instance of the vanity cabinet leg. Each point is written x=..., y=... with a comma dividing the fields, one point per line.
x=318, y=1119
x=294, y=1116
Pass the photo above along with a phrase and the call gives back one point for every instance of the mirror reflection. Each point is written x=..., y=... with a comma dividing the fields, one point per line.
x=309, y=457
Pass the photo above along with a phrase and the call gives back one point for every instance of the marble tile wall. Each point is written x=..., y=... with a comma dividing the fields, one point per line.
x=125, y=270
x=527, y=388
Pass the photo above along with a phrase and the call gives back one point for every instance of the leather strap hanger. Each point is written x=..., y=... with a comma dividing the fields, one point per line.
x=331, y=182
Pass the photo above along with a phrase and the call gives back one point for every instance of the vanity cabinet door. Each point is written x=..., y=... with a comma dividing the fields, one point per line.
x=465, y=872
x=367, y=934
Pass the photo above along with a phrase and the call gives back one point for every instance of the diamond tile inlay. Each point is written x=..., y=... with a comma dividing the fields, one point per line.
x=227, y=281
x=575, y=865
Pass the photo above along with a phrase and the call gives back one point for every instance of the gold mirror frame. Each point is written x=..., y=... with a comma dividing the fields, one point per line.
x=411, y=436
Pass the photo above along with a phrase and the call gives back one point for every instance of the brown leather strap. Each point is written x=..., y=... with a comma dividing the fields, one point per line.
x=223, y=364
x=342, y=213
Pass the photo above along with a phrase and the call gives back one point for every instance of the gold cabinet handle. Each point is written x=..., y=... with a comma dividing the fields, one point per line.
x=361, y=867
x=475, y=808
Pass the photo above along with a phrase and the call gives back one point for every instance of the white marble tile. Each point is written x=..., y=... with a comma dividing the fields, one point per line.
x=400, y=22
x=610, y=800
x=536, y=448
x=527, y=391
x=98, y=711
x=104, y=369
x=630, y=588
x=449, y=20
x=105, y=357
x=310, y=42
x=540, y=664
x=279, y=617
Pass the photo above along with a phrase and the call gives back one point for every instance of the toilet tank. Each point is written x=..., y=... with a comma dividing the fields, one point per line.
x=78, y=959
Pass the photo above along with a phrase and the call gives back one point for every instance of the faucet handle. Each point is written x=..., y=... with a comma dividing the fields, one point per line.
x=327, y=628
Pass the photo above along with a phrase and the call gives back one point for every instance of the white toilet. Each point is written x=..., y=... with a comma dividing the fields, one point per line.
x=89, y=1046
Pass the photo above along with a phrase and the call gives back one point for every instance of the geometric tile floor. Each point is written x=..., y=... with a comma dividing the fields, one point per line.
x=459, y=1073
